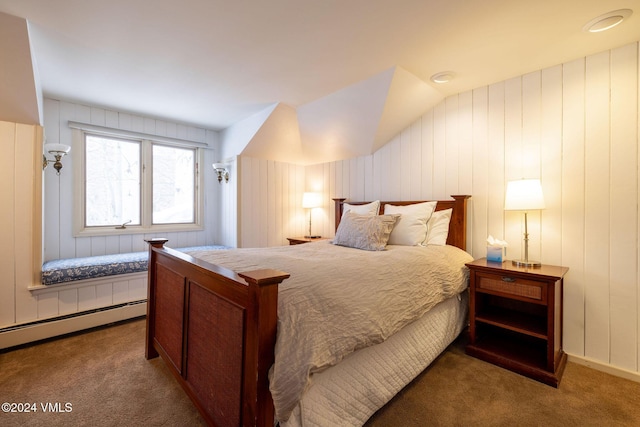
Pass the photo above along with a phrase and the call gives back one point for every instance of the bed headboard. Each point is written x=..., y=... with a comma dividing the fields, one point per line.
x=457, y=226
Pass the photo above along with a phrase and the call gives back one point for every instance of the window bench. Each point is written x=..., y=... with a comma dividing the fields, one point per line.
x=73, y=269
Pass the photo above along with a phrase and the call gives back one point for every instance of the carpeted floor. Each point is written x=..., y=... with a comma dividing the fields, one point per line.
x=105, y=378
x=459, y=390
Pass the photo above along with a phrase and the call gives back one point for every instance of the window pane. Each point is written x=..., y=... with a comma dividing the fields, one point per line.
x=112, y=172
x=173, y=185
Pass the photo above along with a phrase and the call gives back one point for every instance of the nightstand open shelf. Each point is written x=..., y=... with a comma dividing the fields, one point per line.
x=515, y=318
x=517, y=321
x=521, y=351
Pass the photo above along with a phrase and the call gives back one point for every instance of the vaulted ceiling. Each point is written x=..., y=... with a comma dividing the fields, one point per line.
x=339, y=78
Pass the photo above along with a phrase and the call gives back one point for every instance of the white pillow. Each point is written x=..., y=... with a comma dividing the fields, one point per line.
x=369, y=209
x=411, y=229
x=438, y=227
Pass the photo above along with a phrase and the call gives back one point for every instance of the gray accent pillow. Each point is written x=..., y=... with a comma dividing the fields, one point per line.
x=368, y=232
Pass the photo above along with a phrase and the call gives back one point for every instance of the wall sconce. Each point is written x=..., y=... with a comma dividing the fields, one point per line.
x=310, y=201
x=58, y=151
x=222, y=172
x=524, y=195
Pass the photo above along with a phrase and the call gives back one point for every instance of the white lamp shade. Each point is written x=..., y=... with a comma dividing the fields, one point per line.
x=57, y=148
x=311, y=200
x=524, y=195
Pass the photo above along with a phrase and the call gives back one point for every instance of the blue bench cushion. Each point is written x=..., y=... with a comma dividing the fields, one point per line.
x=71, y=269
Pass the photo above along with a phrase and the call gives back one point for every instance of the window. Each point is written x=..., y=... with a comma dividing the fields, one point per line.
x=140, y=184
x=173, y=185
x=112, y=190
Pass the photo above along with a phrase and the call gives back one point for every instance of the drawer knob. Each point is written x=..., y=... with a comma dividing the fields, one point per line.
x=508, y=279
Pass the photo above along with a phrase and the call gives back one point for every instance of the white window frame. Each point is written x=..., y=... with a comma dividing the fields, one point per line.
x=146, y=225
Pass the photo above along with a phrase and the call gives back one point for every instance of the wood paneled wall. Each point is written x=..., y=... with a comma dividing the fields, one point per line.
x=575, y=126
x=269, y=202
x=20, y=221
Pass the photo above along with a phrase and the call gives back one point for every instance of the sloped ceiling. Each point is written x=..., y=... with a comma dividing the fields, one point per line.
x=19, y=102
x=351, y=122
x=359, y=119
x=271, y=134
x=216, y=63
x=343, y=124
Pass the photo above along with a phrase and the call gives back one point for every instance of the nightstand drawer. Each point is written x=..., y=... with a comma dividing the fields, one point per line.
x=512, y=286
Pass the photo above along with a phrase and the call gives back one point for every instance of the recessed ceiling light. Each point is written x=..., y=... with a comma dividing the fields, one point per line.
x=443, y=77
x=607, y=21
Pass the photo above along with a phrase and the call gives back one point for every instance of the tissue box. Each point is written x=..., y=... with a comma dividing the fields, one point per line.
x=494, y=253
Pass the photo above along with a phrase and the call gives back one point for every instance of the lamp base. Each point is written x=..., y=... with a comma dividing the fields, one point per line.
x=312, y=237
x=526, y=264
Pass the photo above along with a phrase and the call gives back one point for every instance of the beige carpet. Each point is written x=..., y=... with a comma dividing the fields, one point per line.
x=104, y=376
x=459, y=390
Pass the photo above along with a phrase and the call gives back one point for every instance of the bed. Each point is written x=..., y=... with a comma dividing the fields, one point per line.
x=228, y=333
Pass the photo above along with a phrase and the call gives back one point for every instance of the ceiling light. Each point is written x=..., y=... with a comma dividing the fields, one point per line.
x=607, y=21
x=443, y=77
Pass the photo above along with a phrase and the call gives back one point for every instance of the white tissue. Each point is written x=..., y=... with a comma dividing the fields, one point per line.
x=491, y=241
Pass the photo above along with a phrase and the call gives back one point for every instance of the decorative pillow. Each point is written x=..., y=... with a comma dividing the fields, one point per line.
x=411, y=229
x=438, y=227
x=368, y=232
x=369, y=209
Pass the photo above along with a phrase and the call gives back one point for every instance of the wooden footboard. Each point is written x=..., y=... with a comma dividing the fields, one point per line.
x=216, y=330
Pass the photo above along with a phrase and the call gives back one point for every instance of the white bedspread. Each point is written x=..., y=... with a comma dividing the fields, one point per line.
x=340, y=299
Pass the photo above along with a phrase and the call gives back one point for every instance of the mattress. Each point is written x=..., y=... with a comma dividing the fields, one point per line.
x=349, y=393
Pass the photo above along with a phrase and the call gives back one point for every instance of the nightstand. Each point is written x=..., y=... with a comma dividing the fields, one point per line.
x=515, y=318
x=301, y=240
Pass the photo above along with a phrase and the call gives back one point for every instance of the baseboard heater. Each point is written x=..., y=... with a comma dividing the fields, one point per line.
x=38, y=330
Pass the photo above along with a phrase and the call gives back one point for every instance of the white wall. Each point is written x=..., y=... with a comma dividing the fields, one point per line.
x=575, y=126
x=269, y=202
x=225, y=218
x=59, y=241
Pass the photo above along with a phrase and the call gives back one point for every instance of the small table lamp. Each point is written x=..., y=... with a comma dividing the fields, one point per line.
x=310, y=201
x=524, y=195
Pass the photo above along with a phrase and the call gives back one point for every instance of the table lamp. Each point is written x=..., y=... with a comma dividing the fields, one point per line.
x=310, y=201
x=524, y=195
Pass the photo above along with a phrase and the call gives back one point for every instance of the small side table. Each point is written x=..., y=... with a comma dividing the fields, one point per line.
x=515, y=318
x=301, y=240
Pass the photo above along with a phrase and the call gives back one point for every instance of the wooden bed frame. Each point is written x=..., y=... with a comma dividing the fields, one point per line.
x=216, y=329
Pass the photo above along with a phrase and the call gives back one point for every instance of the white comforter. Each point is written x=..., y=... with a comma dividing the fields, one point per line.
x=340, y=299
